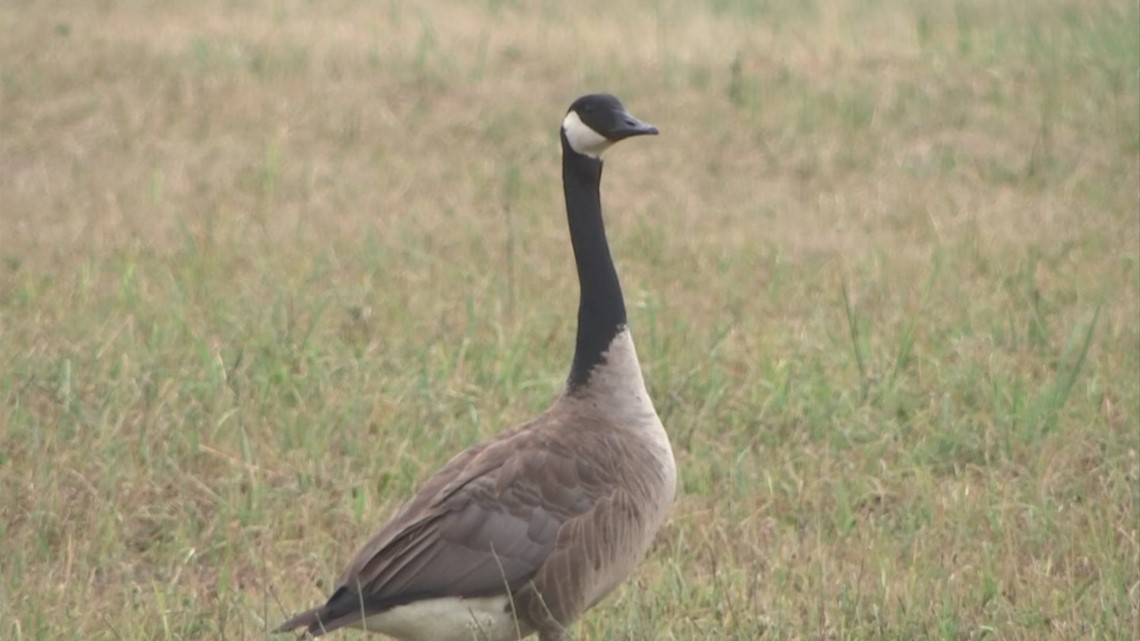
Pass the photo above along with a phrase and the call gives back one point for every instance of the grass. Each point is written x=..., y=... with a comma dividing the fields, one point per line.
x=265, y=266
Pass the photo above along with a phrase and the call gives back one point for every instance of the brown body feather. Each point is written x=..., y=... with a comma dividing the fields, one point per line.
x=547, y=511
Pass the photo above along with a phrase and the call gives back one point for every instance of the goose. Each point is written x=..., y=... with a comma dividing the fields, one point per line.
x=523, y=533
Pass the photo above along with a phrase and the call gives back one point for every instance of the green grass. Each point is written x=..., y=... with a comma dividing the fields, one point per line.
x=265, y=266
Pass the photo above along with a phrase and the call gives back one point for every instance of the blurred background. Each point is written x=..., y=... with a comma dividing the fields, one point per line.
x=266, y=265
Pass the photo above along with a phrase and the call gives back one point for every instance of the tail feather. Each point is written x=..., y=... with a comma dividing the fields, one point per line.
x=337, y=613
x=304, y=619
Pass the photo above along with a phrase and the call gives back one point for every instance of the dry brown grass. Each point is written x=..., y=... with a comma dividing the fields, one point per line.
x=265, y=265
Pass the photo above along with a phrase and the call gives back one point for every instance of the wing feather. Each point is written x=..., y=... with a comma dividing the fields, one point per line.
x=506, y=515
x=487, y=530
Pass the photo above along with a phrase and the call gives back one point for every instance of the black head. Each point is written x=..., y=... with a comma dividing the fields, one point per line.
x=597, y=121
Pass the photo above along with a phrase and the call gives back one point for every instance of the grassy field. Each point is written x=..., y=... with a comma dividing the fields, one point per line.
x=266, y=265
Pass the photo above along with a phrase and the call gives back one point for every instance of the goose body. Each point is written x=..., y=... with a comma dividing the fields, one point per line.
x=523, y=533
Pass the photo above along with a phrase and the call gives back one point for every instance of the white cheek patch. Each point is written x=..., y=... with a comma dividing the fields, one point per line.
x=582, y=138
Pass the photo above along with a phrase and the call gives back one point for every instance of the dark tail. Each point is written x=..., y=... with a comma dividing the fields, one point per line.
x=337, y=613
x=304, y=619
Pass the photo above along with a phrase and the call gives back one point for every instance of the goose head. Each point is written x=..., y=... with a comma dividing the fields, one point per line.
x=596, y=121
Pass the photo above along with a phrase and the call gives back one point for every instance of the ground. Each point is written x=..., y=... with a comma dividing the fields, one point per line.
x=266, y=265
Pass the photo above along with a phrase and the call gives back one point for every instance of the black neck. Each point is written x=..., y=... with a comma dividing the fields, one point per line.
x=601, y=308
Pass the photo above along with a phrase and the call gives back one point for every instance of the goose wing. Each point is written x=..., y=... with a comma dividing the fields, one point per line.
x=484, y=525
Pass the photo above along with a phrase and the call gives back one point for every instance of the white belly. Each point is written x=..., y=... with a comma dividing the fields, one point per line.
x=450, y=619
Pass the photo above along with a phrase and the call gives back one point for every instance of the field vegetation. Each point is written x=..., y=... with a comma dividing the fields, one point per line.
x=264, y=265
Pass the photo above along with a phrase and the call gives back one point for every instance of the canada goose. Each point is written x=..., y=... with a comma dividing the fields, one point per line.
x=525, y=532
